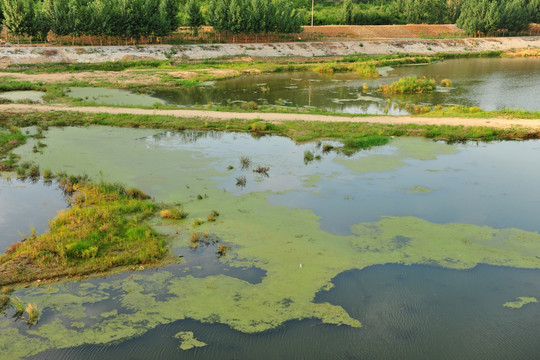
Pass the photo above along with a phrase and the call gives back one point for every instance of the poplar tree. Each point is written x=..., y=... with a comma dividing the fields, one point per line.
x=194, y=16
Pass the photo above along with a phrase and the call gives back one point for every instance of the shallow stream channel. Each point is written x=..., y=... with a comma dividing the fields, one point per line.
x=413, y=250
x=488, y=83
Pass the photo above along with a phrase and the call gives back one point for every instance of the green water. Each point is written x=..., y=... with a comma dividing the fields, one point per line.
x=35, y=96
x=294, y=237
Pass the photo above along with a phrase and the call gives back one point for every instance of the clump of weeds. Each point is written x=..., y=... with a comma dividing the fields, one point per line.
x=222, y=249
x=174, y=214
x=308, y=157
x=33, y=314
x=245, y=162
x=213, y=216
x=241, y=181
x=263, y=170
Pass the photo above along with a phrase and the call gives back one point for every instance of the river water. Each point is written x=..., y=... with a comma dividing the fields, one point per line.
x=405, y=251
x=488, y=83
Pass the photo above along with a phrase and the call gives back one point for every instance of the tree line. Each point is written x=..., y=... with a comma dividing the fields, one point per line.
x=137, y=18
x=473, y=16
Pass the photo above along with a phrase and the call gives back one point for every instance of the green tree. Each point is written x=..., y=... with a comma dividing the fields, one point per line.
x=194, y=16
x=59, y=16
x=1, y=14
x=347, y=15
x=515, y=16
x=237, y=14
x=219, y=16
x=170, y=10
x=425, y=11
x=14, y=16
x=479, y=16
x=258, y=18
x=534, y=11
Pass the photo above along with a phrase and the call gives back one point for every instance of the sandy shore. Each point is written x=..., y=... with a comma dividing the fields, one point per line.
x=499, y=122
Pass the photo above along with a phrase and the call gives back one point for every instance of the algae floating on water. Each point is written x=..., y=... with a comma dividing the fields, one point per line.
x=520, y=302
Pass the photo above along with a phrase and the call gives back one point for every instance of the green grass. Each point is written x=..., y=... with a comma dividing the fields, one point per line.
x=103, y=229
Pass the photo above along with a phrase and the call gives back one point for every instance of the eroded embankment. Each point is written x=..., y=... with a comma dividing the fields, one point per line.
x=92, y=54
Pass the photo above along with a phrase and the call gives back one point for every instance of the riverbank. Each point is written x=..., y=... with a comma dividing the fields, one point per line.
x=10, y=55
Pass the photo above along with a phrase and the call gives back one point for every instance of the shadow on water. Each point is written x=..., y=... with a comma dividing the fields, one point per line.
x=407, y=312
x=25, y=204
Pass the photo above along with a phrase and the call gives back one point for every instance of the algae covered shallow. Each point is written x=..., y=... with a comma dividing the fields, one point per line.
x=301, y=226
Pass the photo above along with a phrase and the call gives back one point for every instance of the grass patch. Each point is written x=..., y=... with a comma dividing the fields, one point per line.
x=354, y=144
x=104, y=229
x=174, y=214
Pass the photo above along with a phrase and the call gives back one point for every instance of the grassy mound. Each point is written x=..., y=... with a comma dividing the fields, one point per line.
x=105, y=228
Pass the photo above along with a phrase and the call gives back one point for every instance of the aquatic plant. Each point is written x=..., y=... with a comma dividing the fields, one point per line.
x=18, y=306
x=308, y=156
x=33, y=314
x=409, y=84
x=263, y=170
x=245, y=162
x=198, y=221
x=174, y=214
x=241, y=181
x=212, y=216
x=354, y=144
x=33, y=171
x=47, y=174
x=4, y=302
x=222, y=249
x=327, y=148
x=365, y=69
x=446, y=82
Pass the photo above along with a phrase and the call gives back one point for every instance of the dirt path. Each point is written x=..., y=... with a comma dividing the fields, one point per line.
x=277, y=117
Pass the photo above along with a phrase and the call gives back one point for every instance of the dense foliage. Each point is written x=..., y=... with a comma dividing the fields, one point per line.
x=487, y=16
x=136, y=18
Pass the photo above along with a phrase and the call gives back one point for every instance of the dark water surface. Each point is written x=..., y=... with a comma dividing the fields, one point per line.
x=407, y=312
x=24, y=204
